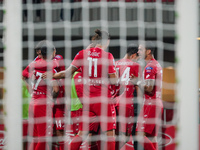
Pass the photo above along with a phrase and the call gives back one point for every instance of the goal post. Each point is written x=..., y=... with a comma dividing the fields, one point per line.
x=187, y=74
x=12, y=74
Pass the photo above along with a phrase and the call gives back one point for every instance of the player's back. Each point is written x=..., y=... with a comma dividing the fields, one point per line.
x=95, y=65
x=127, y=68
x=39, y=67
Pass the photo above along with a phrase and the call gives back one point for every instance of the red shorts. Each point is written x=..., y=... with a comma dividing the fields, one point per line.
x=149, y=117
x=58, y=112
x=77, y=121
x=103, y=113
x=40, y=122
x=125, y=113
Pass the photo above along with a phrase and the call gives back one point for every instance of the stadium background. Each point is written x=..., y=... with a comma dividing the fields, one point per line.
x=59, y=15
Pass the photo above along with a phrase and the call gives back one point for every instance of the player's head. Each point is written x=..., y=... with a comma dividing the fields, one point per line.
x=46, y=48
x=150, y=46
x=146, y=49
x=132, y=52
x=101, y=38
x=38, y=52
x=141, y=51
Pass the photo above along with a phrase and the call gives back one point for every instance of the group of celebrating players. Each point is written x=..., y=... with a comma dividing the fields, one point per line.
x=101, y=93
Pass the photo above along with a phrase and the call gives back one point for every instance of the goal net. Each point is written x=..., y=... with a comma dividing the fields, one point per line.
x=68, y=26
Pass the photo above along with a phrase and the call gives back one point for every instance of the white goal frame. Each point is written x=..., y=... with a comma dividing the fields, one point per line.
x=187, y=74
x=13, y=74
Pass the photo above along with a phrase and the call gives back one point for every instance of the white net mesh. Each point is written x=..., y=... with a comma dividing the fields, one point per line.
x=70, y=25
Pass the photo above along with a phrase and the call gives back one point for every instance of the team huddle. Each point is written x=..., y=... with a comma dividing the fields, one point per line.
x=95, y=94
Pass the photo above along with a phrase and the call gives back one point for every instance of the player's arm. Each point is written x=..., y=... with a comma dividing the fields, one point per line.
x=133, y=79
x=112, y=71
x=66, y=73
x=28, y=77
x=135, y=74
x=147, y=85
x=28, y=85
x=113, y=78
x=26, y=73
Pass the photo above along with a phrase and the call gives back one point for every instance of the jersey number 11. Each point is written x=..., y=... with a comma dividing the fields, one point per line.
x=91, y=60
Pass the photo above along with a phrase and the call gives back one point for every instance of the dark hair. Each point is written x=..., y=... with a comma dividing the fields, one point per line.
x=100, y=37
x=45, y=46
x=149, y=45
x=132, y=49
